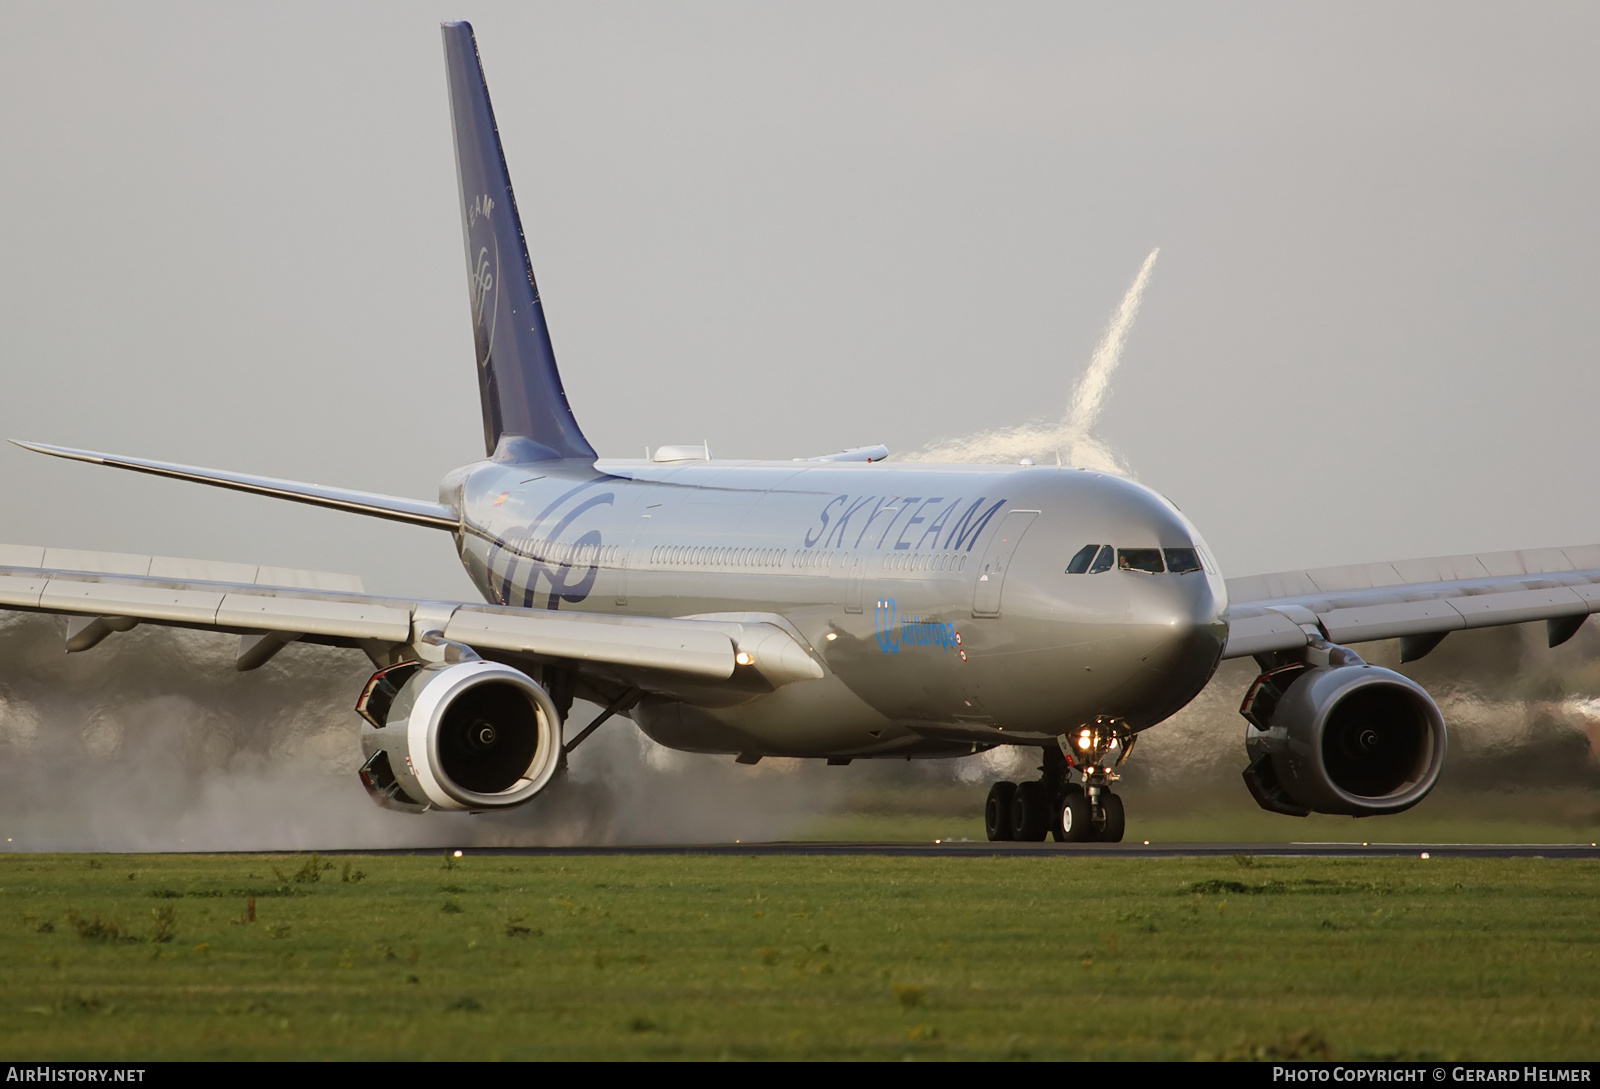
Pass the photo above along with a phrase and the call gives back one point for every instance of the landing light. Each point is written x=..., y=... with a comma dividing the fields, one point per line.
x=742, y=658
x=458, y=854
x=832, y=635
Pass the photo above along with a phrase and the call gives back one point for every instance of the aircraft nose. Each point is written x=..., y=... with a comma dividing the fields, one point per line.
x=1179, y=633
x=1182, y=623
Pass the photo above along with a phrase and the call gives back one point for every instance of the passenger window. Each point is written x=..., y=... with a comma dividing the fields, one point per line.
x=1140, y=559
x=1080, y=562
x=1103, y=561
x=1180, y=561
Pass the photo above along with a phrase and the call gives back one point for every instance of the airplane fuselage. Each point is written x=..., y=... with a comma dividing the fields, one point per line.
x=937, y=598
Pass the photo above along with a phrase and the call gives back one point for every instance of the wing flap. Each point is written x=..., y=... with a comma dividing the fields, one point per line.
x=1363, y=602
x=680, y=646
x=21, y=591
x=316, y=616
x=1389, y=621
x=1518, y=606
x=158, y=603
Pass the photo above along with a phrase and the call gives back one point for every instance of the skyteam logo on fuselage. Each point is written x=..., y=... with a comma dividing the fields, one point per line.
x=895, y=632
x=544, y=562
x=902, y=523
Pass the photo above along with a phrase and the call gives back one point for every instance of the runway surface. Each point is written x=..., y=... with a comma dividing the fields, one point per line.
x=964, y=849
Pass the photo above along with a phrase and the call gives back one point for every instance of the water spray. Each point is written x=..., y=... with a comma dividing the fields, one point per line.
x=1071, y=439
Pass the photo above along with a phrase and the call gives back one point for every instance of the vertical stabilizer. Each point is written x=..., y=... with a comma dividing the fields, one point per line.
x=525, y=412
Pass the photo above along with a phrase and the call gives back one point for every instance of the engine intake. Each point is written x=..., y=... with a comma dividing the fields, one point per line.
x=472, y=735
x=1353, y=739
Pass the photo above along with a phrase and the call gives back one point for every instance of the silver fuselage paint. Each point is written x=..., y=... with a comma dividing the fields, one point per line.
x=935, y=596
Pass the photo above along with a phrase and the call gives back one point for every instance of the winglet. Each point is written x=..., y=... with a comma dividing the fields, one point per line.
x=525, y=412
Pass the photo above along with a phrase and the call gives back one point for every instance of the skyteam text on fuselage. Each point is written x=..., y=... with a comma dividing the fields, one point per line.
x=837, y=607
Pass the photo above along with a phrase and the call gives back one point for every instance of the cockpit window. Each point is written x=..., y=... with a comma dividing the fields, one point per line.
x=1095, y=558
x=1080, y=562
x=1180, y=561
x=1140, y=559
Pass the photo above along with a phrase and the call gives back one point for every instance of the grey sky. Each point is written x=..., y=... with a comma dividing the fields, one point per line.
x=230, y=236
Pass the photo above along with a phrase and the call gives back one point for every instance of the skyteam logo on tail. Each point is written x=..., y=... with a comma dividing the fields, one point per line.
x=482, y=281
x=484, y=270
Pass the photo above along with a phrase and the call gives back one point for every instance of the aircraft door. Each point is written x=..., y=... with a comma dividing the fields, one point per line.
x=996, y=559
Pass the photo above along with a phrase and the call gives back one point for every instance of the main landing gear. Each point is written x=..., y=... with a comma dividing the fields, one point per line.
x=1070, y=812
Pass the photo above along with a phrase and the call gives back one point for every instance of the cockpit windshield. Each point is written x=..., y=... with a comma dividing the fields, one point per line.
x=1092, y=559
x=1181, y=561
x=1080, y=563
x=1147, y=560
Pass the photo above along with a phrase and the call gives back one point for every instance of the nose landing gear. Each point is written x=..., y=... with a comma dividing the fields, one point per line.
x=1071, y=812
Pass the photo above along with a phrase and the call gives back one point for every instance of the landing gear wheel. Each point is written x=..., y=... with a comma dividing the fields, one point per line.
x=997, y=811
x=1111, y=829
x=1072, y=821
x=1030, y=812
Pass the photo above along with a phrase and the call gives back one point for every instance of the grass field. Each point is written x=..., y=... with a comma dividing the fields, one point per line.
x=155, y=957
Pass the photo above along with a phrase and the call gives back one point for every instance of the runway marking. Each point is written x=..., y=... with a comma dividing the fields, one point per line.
x=1419, y=851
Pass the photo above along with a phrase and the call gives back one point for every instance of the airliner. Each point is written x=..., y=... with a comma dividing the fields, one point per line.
x=835, y=608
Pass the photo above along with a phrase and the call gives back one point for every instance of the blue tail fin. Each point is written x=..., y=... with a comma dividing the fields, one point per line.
x=525, y=412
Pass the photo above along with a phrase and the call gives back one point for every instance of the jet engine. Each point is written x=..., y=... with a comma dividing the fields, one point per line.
x=470, y=735
x=1345, y=737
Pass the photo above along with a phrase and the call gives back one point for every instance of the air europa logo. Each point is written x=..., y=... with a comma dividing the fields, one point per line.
x=895, y=632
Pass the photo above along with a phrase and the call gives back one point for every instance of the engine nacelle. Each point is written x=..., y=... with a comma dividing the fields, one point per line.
x=1342, y=738
x=473, y=736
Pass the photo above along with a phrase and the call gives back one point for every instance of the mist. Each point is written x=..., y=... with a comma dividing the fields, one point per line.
x=153, y=742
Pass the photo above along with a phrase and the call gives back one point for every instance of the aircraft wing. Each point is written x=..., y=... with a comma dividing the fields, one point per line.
x=103, y=593
x=393, y=507
x=1417, y=601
